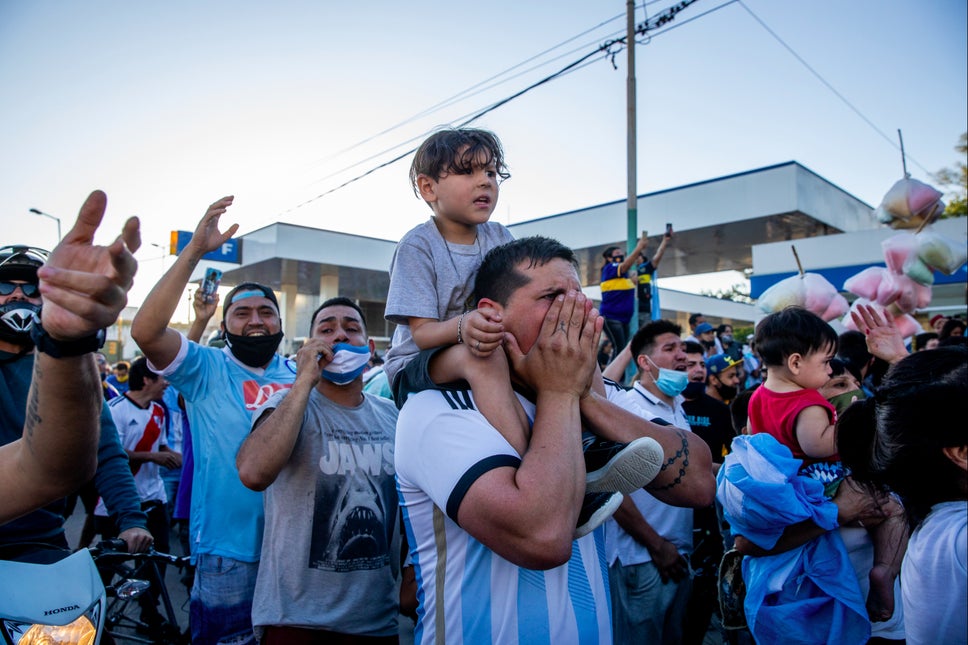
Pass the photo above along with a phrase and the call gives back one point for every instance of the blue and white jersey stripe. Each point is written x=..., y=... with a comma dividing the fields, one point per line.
x=467, y=593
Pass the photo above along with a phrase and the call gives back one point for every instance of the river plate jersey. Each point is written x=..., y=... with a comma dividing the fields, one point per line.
x=467, y=593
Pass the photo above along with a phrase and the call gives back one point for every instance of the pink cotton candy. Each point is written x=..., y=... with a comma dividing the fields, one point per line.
x=908, y=203
x=818, y=292
x=864, y=284
x=888, y=290
x=921, y=198
x=907, y=299
x=838, y=307
x=907, y=325
x=898, y=249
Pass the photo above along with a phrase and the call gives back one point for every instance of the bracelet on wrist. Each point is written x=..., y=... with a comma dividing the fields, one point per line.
x=460, y=322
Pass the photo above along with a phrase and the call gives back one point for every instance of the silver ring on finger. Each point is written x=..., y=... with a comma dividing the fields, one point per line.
x=478, y=345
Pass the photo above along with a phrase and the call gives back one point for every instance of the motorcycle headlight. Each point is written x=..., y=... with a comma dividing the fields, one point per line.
x=82, y=631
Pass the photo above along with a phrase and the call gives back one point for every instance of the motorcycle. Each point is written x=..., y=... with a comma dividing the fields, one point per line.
x=54, y=603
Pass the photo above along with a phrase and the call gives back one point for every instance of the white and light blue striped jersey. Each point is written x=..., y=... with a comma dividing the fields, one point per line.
x=467, y=593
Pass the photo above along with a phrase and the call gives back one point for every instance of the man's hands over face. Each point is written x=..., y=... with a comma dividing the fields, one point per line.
x=563, y=357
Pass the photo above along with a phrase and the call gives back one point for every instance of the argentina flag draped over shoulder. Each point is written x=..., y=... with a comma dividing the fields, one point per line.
x=808, y=594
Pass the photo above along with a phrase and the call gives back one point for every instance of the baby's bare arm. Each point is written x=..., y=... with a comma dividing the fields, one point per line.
x=816, y=433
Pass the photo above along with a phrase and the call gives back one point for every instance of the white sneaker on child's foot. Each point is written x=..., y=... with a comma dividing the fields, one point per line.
x=622, y=467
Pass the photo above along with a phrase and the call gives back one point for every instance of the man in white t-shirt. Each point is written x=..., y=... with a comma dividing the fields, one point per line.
x=491, y=530
x=648, y=542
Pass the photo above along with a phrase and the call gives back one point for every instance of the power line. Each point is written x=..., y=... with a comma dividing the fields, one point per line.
x=470, y=91
x=830, y=87
x=605, y=48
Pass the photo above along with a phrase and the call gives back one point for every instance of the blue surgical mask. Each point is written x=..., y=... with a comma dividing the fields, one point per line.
x=348, y=363
x=670, y=382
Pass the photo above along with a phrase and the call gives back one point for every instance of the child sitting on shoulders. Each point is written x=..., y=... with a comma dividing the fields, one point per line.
x=797, y=347
x=458, y=172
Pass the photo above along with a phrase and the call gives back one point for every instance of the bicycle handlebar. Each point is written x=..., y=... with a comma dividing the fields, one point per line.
x=117, y=549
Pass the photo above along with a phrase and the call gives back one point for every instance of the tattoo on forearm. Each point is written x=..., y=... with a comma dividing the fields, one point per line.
x=33, y=402
x=682, y=453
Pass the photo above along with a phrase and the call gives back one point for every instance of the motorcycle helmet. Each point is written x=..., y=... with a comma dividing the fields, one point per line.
x=18, y=316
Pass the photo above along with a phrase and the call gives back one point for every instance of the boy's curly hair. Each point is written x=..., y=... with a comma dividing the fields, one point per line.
x=457, y=150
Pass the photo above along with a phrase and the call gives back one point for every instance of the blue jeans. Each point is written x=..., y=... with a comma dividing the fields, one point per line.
x=644, y=609
x=221, y=601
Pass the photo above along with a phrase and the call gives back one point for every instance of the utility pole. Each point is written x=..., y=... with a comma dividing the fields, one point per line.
x=631, y=191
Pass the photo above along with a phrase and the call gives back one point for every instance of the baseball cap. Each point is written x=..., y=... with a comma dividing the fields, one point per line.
x=719, y=363
x=702, y=328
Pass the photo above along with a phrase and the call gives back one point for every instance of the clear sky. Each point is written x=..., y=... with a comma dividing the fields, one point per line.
x=168, y=106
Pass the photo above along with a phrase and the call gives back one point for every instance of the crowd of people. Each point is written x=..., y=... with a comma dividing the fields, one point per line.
x=500, y=478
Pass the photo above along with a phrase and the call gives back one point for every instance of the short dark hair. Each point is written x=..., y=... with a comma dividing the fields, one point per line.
x=722, y=328
x=792, y=331
x=607, y=253
x=338, y=301
x=138, y=373
x=456, y=150
x=645, y=337
x=692, y=347
x=693, y=318
x=950, y=326
x=498, y=276
x=739, y=409
x=839, y=367
x=852, y=349
x=920, y=340
x=125, y=364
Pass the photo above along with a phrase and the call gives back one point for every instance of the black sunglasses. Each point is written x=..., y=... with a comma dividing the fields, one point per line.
x=29, y=290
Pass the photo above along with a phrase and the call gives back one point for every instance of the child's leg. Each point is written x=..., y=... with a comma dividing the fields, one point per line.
x=490, y=382
x=890, y=542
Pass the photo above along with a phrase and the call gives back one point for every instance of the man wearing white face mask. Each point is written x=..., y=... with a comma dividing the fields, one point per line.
x=323, y=453
x=648, y=542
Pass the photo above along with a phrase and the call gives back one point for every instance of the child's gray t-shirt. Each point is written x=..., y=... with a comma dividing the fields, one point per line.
x=432, y=278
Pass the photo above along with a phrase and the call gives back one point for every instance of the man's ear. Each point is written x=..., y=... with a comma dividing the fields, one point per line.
x=427, y=188
x=642, y=363
x=371, y=345
x=493, y=304
x=958, y=455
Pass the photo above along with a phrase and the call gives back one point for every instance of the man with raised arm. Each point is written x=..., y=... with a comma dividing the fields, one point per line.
x=84, y=288
x=491, y=530
x=222, y=387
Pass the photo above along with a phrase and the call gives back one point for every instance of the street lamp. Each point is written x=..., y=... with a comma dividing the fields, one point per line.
x=56, y=219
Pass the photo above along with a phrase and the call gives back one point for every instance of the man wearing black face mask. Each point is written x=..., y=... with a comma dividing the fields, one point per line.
x=723, y=382
x=222, y=387
x=708, y=417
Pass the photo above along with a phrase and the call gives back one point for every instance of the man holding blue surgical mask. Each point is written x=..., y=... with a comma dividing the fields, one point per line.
x=323, y=453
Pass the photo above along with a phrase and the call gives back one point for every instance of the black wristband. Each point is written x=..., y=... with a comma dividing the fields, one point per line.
x=65, y=348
